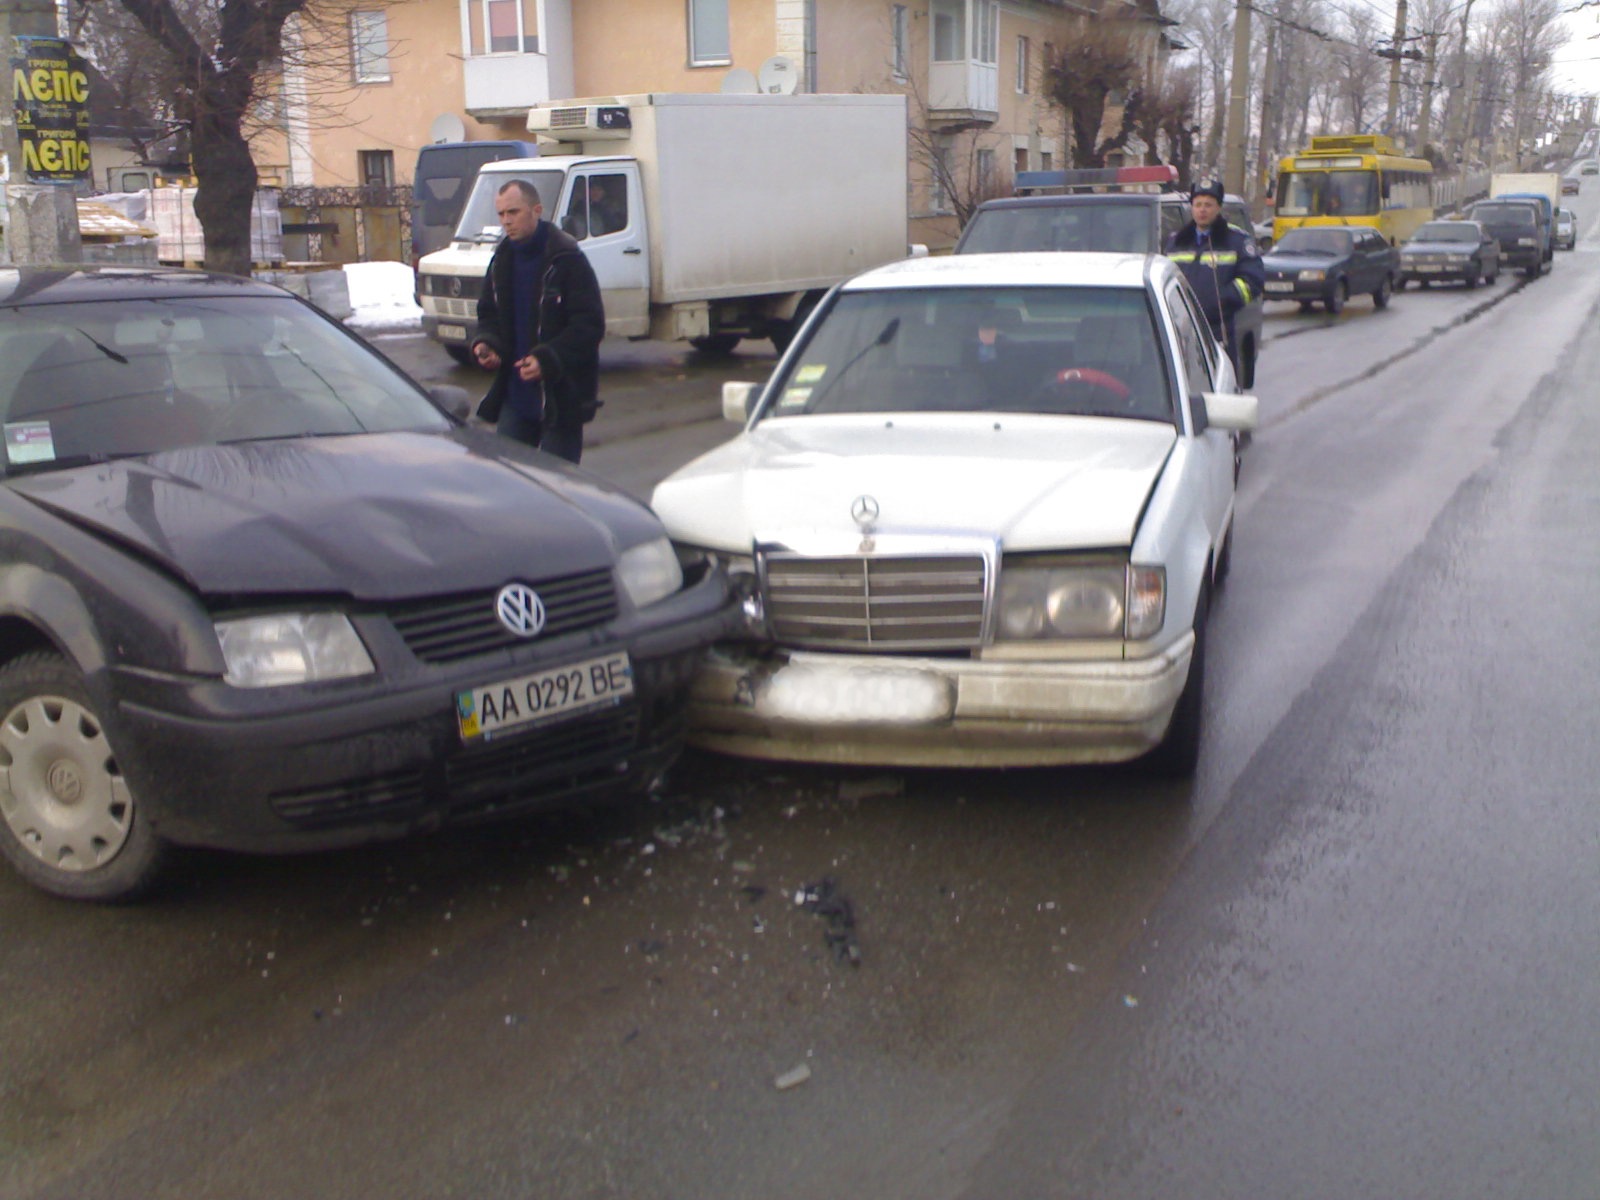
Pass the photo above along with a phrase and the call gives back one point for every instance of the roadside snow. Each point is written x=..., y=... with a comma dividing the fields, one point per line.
x=381, y=296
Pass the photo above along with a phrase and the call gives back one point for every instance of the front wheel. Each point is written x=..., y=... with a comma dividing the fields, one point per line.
x=1471, y=280
x=69, y=823
x=1380, y=298
x=1400, y=284
x=1337, y=297
x=716, y=345
x=1178, y=753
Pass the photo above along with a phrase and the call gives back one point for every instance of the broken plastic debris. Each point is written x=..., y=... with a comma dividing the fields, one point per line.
x=1130, y=1001
x=793, y=1078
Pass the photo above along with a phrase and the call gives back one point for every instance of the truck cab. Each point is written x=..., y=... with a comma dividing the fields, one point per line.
x=595, y=199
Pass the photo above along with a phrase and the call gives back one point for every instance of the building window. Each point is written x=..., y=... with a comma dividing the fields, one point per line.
x=985, y=171
x=938, y=193
x=504, y=26
x=377, y=168
x=947, y=33
x=369, y=46
x=897, y=33
x=708, y=33
x=1021, y=163
x=1047, y=161
x=1024, y=66
x=986, y=33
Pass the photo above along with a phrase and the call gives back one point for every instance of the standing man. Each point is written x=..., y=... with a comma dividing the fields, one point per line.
x=540, y=321
x=1220, y=262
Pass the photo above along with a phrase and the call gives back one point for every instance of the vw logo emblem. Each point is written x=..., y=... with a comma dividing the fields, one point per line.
x=520, y=610
x=864, y=511
x=455, y=286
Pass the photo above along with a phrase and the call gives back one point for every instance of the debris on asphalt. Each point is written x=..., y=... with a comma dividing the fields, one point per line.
x=793, y=1078
x=881, y=787
x=753, y=892
x=826, y=900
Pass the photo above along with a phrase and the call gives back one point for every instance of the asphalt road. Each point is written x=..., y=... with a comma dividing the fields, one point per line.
x=1356, y=957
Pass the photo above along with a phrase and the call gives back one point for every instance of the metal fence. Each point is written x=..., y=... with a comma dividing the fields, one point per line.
x=346, y=224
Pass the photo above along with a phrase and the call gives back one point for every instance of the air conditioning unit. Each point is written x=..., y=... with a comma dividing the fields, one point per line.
x=582, y=122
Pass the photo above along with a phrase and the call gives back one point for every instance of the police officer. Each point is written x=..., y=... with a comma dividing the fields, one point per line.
x=1220, y=262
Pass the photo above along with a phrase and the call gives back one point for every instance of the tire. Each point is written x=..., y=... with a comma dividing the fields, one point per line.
x=1471, y=279
x=462, y=355
x=1336, y=299
x=1247, y=364
x=717, y=345
x=69, y=823
x=1224, y=558
x=1380, y=298
x=1306, y=305
x=1400, y=284
x=1178, y=753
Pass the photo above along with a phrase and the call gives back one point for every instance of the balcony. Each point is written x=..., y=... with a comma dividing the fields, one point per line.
x=963, y=93
x=506, y=85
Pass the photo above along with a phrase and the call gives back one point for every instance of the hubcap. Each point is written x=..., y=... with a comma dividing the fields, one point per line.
x=61, y=793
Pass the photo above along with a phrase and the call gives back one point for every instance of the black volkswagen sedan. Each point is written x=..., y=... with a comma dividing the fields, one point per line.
x=259, y=591
x=1329, y=264
x=1443, y=251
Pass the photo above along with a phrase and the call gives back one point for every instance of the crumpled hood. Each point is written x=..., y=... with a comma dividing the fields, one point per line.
x=375, y=516
x=1035, y=482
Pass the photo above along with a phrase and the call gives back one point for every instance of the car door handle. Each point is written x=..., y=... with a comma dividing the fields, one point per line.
x=633, y=250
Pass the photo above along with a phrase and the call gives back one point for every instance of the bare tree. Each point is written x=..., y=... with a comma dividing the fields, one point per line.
x=1359, y=72
x=1095, y=59
x=209, y=69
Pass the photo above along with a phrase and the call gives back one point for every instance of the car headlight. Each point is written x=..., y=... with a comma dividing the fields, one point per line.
x=285, y=648
x=649, y=572
x=1313, y=276
x=1104, y=600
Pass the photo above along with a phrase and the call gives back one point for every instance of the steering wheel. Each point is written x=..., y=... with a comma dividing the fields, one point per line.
x=1087, y=377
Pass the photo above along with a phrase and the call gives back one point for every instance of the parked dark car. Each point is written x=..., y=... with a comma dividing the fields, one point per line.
x=259, y=591
x=1444, y=251
x=1330, y=263
x=1518, y=226
x=1120, y=222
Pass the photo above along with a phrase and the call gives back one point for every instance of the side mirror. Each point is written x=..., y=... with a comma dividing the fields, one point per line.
x=454, y=400
x=736, y=401
x=917, y=250
x=1227, y=410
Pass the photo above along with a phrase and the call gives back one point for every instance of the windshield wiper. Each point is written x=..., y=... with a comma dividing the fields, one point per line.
x=106, y=350
x=885, y=336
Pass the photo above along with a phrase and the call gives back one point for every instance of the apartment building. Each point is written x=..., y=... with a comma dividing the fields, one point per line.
x=423, y=70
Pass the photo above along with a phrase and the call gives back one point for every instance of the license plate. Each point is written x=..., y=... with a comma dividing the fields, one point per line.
x=1279, y=285
x=544, y=697
x=458, y=332
x=820, y=695
x=1427, y=270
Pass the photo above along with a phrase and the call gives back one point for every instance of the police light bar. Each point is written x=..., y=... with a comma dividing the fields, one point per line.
x=1158, y=177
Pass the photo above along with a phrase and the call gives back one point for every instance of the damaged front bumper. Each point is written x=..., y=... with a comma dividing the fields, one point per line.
x=932, y=711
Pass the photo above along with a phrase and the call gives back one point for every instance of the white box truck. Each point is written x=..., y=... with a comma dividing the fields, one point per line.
x=707, y=218
x=1544, y=189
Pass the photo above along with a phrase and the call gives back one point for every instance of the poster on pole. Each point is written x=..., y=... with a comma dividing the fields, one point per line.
x=50, y=95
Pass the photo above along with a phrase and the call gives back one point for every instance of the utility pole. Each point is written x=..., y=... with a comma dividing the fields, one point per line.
x=1238, y=101
x=41, y=220
x=1269, y=81
x=1394, y=66
x=1425, y=124
x=1455, y=140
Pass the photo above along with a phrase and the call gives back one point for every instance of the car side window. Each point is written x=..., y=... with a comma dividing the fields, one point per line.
x=1195, y=343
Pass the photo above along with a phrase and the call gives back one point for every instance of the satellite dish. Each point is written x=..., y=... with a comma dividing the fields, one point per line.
x=777, y=76
x=447, y=127
x=739, y=82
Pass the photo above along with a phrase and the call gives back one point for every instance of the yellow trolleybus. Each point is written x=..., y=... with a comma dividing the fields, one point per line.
x=1353, y=179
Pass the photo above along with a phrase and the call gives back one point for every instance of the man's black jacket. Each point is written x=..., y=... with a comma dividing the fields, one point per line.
x=566, y=338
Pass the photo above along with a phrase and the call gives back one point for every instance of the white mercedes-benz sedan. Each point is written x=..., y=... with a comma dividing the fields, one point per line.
x=978, y=515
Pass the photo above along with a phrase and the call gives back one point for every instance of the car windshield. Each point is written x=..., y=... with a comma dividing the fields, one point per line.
x=87, y=381
x=479, y=221
x=1077, y=351
x=1116, y=227
x=1442, y=231
x=1504, y=214
x=1313, y=241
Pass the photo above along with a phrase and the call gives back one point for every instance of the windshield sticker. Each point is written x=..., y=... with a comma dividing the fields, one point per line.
x=794, y=397
x=811, y=372
x=29, y=442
